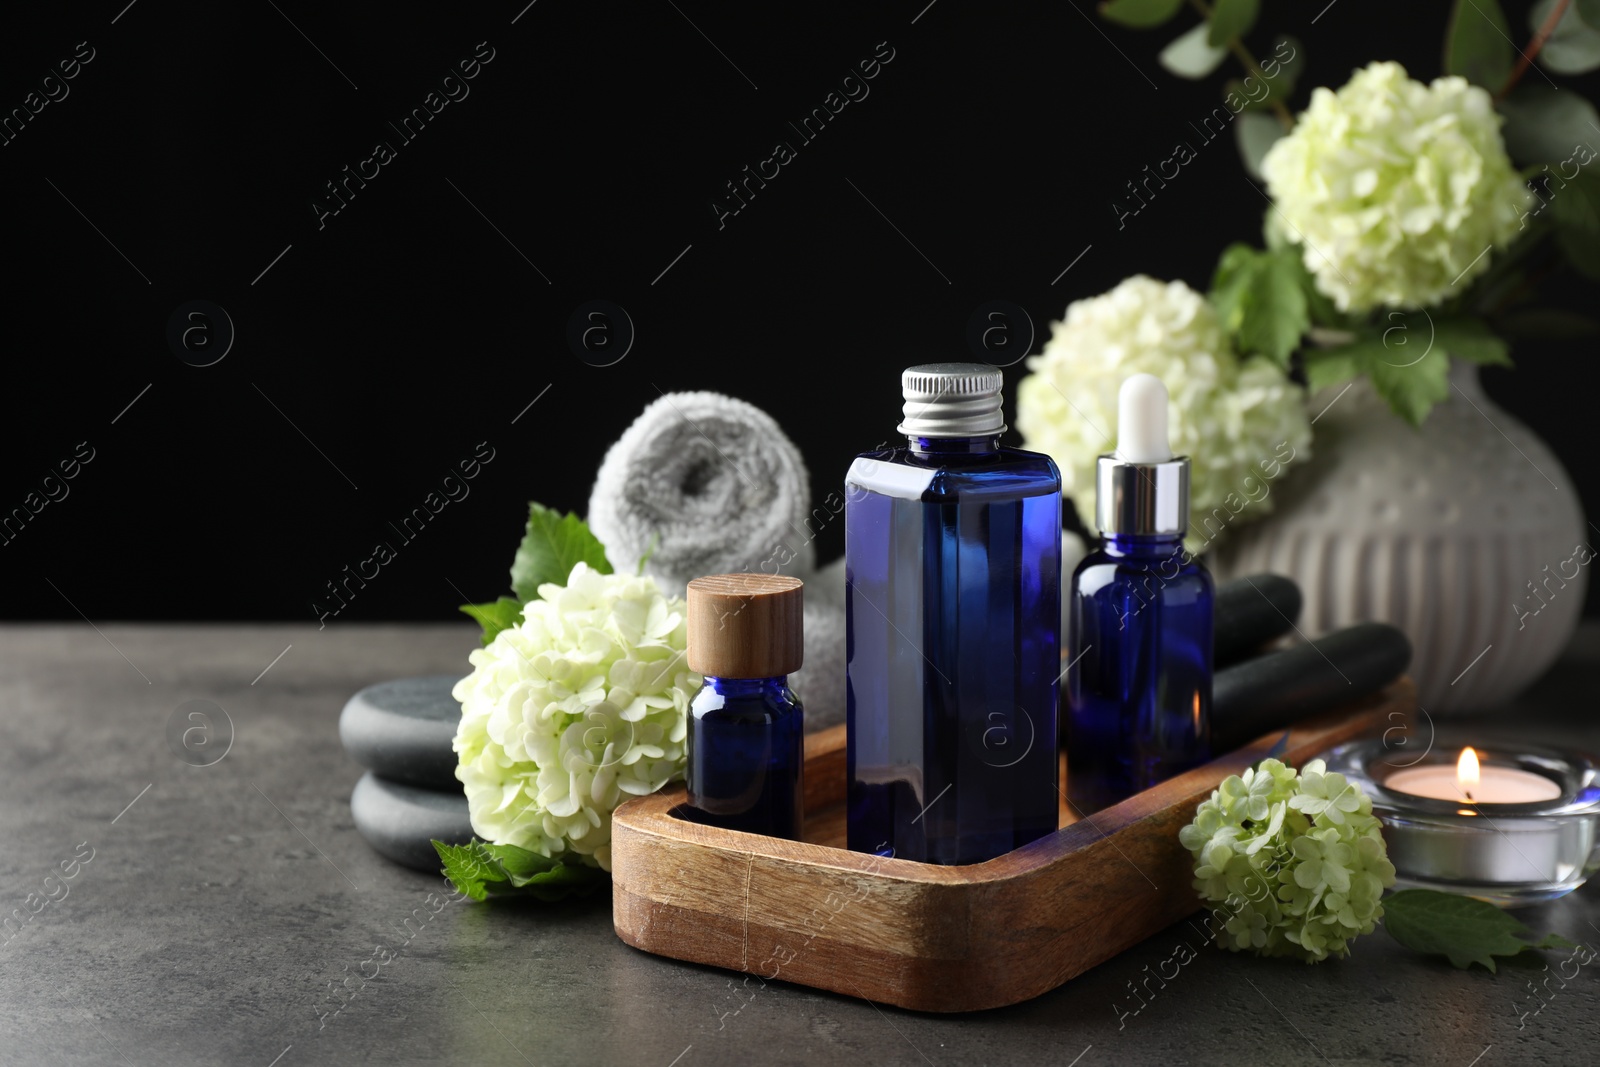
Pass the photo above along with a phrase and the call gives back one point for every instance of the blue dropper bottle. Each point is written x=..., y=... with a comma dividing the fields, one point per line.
x=1140, y=619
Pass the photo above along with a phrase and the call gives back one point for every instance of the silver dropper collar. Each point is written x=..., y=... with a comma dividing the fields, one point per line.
x=1141, y=498
x=952, y=400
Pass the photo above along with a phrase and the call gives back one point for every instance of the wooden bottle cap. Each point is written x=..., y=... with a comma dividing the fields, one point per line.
x=746, y=625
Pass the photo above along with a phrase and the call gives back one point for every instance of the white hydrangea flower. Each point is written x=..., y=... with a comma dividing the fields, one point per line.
x=1239, y=422
x=570, y=713
x=1396, y=189
x=1295, y=865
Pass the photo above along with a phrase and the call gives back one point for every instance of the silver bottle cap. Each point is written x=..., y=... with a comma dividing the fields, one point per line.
x=952, y=400
x=1141, y=498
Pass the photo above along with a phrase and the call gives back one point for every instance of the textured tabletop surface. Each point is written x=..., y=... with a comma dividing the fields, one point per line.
x=220, y=904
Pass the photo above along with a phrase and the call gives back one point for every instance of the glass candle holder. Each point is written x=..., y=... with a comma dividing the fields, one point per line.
x=1509, y=854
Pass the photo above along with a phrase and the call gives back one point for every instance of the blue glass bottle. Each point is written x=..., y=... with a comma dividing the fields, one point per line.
x=746, y=730
x=1139, y=695
x=1138, y=700
x=953, y=585
x=746, y=756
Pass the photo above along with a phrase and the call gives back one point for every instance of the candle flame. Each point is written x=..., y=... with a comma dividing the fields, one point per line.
x=1467, y=771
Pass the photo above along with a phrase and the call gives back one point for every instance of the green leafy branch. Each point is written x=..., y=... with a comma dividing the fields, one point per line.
x=1464, y=930
x=1195, y=54
x=552, y=544
x=495, y=615
x=1268, y=301
x=1543, y=127
x=479, y=870
x=1226, y=24
x=1554, y=14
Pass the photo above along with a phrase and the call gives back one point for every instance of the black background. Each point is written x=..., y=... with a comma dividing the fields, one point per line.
x=381, y=348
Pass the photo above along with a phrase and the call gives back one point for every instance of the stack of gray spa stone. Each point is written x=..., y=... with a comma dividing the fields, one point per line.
x=402, y=732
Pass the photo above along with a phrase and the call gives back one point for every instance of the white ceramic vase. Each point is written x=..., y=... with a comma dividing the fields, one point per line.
x=1467, y=534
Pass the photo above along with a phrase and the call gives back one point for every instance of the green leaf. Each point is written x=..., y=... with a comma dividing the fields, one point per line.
x=1140, y=14
x=561, y=881
x=1278, y=317
x=1232, y=18
x=1404, y=339
x=1281, y=69
x=1409, y=384
x=1405, y=365
x=1289, y=57
x=519, y=862
x=1236, y=260
x=1254, y=133
x=1462, y=929
x=1260, y=302
x=1334, y=366
x=1589, y=11
x=1553, y=941
x=1546, y=125
x=551, y=547
x=1189, y=56
x=1471, y=340
x=479, y=869
x=495, y=616
x=1293, y=260
x=1575, y=210
x=1323, y=310
x=1549, y=324
x=1478, y=44
x=467, y=869
x=1574, y=47
x=1231, y=281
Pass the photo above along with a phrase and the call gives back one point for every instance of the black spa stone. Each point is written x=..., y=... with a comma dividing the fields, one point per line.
x=401, y=821
x=403, y=729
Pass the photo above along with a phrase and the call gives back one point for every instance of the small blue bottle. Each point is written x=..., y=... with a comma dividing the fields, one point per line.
x=746, y=730
x=952, y=614
x=1140, y=607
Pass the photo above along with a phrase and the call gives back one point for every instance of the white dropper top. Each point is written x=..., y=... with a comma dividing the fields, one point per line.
x=1142, y=489
x=1142, y=420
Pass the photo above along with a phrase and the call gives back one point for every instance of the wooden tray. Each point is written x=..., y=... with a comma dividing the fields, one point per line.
x=918, y=935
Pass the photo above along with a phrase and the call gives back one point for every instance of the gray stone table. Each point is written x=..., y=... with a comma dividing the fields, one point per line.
x=219, y=902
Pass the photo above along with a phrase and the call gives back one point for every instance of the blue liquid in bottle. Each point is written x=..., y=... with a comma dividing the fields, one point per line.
x=1139, y=684
x=746, y=756
x=953, y=585
x=1139, y=693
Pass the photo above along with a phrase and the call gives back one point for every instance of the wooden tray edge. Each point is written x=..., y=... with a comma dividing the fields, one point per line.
x=651, y=815
x=922, y=936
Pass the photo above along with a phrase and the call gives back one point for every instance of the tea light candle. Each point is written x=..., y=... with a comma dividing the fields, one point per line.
x=1470, y=782
x=1512, y=827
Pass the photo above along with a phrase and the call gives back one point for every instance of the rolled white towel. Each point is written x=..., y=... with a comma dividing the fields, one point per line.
x=713, y=483
x=820, y=683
